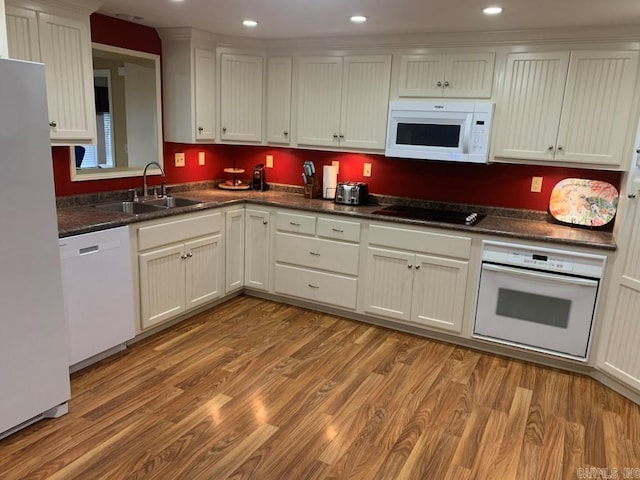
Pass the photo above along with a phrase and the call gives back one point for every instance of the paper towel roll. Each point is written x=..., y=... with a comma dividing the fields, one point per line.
x=329, y=181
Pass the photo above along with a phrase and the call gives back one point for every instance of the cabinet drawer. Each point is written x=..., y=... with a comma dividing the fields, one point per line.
x=319, y=287
x=178, y=230
x=317, y=253
x=417, y=241
x=339, y=229
x=291, y=222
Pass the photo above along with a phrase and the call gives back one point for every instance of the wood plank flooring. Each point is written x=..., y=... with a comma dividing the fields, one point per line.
x=259, y=390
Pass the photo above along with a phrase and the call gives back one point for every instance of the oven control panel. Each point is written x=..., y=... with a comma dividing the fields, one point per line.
x=544, y=259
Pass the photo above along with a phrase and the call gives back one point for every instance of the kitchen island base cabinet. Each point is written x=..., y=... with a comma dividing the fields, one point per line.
x=181, y=266
x=426, y=288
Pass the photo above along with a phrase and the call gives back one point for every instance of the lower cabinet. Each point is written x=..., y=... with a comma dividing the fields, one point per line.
x=317, y=259
x=234, y=249
x=257, y=249
x=421, y=281
x=181, y=266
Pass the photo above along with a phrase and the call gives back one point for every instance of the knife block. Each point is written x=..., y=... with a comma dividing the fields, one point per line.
x=313, y=189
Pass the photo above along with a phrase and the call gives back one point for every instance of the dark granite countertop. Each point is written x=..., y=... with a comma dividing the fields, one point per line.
x=524, y=225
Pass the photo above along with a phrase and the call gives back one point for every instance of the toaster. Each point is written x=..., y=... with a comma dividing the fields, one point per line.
x=352, y=193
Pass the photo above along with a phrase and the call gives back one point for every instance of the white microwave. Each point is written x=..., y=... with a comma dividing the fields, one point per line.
x=455, y=132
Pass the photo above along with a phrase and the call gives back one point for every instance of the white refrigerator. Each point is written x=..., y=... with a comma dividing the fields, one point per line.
x=34, y=357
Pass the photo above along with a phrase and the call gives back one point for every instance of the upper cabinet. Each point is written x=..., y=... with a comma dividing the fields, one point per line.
x=460, y=75
x=188, y=74
x=572, y=107
x=62, y=41
x=241, y=85
x=279, y=99
x=343, y=101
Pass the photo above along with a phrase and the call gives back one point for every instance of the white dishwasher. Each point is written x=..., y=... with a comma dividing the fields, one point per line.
x=98, y=292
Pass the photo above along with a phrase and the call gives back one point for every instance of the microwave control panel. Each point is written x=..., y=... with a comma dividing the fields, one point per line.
x=479, y=136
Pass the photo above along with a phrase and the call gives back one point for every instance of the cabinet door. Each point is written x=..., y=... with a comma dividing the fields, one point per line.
x=619, y=353
x=469, y=75
x=66, y=53
x=257, y=242
x=162, y=284
x=528, y=114
x=234, y=250
x=204, y=270
x=365, y=100
x=204, y=88
x=421, y=75
x=22, y=34
x=319, y=93
x=279, y=100
x=439, y=292
x=389, y=277
x=596, y=112
x=241, y=98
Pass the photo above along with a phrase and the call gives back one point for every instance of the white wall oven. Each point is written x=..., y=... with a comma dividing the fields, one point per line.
x=538, y=298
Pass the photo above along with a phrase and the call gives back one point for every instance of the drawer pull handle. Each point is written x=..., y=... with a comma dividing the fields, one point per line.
x=295, y=224
x=312, y=285
x=337, y=230
x=314, y=253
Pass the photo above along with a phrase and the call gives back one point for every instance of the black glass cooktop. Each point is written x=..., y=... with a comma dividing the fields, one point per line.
x=433, y=215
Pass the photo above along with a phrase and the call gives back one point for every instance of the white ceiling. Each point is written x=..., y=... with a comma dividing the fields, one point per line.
x=321, y=18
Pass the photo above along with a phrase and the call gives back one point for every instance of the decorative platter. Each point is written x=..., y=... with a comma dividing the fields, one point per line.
x=588, y=203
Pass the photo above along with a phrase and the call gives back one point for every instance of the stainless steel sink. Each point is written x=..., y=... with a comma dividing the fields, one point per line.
x=172, y=202
x=133, y=208
x=148, y=206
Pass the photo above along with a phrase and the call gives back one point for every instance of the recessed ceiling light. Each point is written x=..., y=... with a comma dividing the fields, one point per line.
x=127, y=17
x=249, y=23
x=492, y=10
x=358, y=19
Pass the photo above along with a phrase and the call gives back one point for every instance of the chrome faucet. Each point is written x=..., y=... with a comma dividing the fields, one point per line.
x=145, y=193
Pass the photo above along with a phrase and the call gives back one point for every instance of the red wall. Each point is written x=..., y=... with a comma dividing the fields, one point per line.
x=499, y=185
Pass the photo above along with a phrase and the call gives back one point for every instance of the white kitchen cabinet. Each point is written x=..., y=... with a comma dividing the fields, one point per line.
x=63, y=44
x=241, y=85
x=417, y=277
x=188, y=85
x=618, y=353
x=317, y=259
x=180, y=265
x=343, y=101
x=567, y=107
x=234, y=250
x=257, y=249
x=279, y=99
x=453, y=75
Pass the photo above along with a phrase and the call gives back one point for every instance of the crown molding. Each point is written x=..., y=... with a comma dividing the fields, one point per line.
x=76, y=7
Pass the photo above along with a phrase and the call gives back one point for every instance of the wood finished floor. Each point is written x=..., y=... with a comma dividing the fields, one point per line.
x=259, y=390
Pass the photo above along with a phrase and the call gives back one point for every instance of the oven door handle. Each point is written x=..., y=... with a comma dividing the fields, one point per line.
x=540, y=275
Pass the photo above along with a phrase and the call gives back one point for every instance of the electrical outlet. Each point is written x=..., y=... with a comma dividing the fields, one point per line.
x=536, y=184
x=269, y=161
x=201, y=158
x=336, y=163
x=179, y=157
x=366, y=171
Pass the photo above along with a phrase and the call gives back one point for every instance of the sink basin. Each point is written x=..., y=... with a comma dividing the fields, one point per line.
x=133, y=208
x=172, y=202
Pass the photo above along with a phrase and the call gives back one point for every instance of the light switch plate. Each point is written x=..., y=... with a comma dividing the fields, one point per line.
x=179, y=158
x=269, y=161
x=366, y=171
x=201, y=158
x=536, y=184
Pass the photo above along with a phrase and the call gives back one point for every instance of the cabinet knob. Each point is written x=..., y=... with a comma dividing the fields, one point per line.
x=335, y=136
x=200, y=129
x=189, y=255
x=410, y=266
x=53, y=124
x=285, y=133
x=341, y=137
x=264, y=222
x=638, y=150
x=224, y=129
x=183, y=256
x=417, y=267
x=560, y=147
x=447, y=84
x=439, y=84
x=550, y=148
x=631, y=195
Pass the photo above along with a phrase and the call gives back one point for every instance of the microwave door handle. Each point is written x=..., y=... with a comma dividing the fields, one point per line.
x=540, y=275
x=467, y=134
